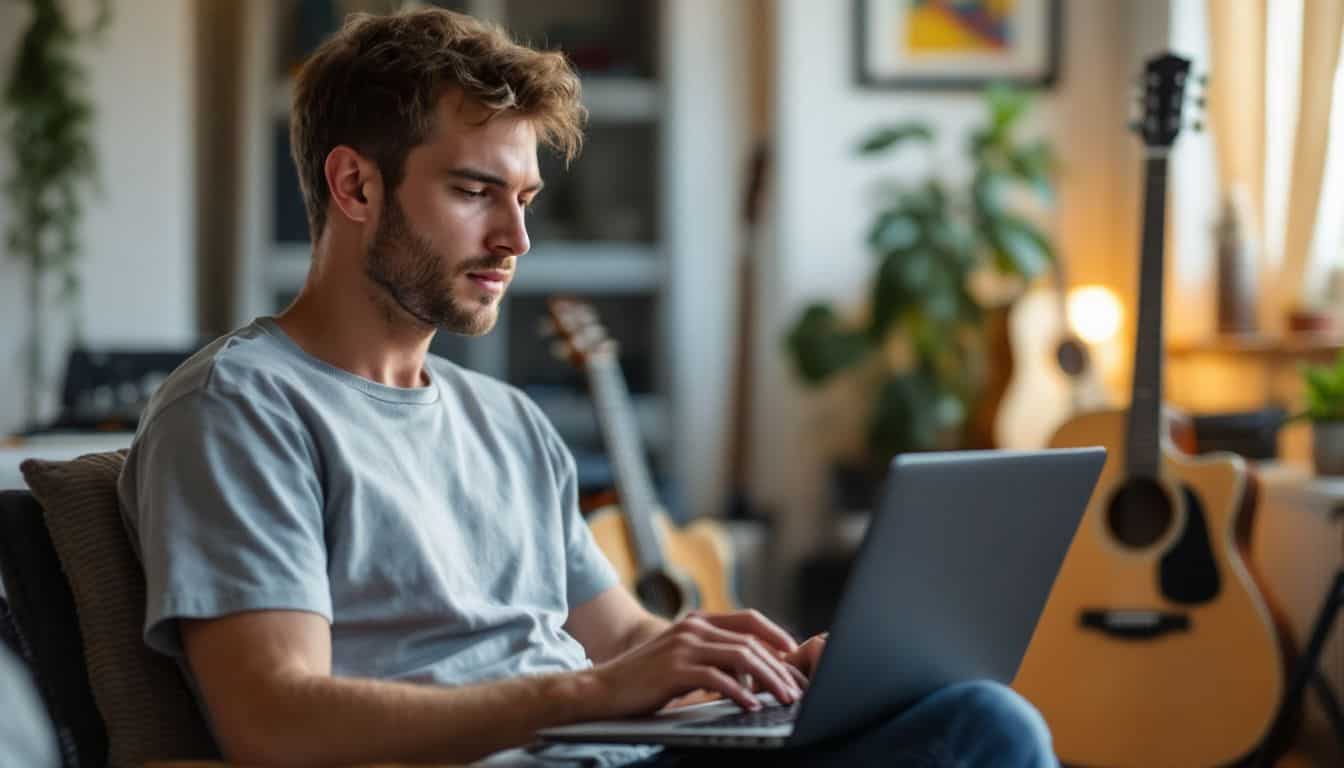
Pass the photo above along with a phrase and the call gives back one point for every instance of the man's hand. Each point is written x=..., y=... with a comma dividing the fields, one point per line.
x=716, y=652
x=806, y=656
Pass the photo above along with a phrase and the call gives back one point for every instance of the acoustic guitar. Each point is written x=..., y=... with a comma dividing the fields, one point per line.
x=1051, y=373
x=1156, y=647
x=671, y=570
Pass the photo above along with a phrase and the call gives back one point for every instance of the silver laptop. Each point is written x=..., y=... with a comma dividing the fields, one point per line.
x=949, y=583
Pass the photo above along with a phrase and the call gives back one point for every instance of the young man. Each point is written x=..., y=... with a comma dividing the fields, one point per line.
x=363, y=552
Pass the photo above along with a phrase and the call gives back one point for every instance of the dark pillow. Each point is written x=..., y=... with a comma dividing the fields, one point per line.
x=45, y=631
x=146, y=706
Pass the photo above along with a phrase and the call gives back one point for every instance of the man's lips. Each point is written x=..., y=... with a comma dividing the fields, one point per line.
x=490, y=279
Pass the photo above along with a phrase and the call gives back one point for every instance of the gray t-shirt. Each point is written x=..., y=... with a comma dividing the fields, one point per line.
x=436, y=528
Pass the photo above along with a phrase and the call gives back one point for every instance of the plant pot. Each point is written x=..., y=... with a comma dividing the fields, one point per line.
x=1327, y=447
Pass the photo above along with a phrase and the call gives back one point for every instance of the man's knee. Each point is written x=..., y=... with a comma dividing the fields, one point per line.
x=999, y=714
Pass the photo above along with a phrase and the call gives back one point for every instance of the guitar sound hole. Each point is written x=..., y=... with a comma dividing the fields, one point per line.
x=1140, y=513
x=660, y=594
x=1072, y=357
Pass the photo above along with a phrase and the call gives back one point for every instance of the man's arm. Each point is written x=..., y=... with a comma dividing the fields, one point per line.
x=613, y=623
x=266, y=680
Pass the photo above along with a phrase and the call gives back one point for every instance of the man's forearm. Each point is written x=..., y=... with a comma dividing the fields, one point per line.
x=324, y=720
x=648, y=628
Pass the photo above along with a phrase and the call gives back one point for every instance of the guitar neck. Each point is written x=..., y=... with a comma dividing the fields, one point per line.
x=1143, y=443
x=634, y=485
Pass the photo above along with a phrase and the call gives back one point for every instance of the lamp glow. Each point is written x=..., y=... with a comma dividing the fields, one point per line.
x=1094, y=313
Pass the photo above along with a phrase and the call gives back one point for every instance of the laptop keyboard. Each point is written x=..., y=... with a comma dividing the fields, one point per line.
x=762, y=718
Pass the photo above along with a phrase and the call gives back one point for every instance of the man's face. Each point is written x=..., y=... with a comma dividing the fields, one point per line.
x=448, y=238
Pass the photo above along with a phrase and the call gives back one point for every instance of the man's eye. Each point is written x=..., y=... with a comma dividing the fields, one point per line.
x=471, y=192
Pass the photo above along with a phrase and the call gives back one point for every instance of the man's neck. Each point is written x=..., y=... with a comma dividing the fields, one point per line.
x=343, y=319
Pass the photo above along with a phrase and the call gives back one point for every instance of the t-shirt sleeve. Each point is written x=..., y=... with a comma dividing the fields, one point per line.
x=227, y=513
x=588, y=573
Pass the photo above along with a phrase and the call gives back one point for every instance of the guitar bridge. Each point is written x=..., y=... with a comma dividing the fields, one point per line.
x=1134, y=624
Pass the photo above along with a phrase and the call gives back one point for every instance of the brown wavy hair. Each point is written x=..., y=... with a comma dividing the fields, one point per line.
x=374, y=84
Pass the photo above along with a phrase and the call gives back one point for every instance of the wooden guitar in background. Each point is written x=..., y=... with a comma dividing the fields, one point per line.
x=1156, y=648
x=671, y=570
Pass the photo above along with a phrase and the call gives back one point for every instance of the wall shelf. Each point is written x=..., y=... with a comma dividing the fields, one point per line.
x=1307, y=346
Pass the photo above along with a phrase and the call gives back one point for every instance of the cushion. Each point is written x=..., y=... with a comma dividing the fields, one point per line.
x=43, y=630
x=146, y=706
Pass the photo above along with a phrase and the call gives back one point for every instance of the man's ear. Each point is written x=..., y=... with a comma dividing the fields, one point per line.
x=356, y=185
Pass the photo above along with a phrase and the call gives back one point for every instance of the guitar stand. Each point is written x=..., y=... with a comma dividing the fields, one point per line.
x=1308, y=672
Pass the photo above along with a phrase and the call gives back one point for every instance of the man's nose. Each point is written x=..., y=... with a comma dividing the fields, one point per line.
x=510, y=233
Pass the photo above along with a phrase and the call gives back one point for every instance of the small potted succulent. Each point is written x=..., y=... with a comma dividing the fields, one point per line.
x=1324, y=386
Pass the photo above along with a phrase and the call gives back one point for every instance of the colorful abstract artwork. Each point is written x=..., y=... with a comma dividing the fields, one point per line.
x=956, y=43
x=939, y=26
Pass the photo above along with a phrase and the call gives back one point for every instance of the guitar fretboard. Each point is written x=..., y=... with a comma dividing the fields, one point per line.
x=620, y=429
x=1143, y=438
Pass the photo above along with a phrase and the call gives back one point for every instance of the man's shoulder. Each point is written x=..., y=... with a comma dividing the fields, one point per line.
x=231, y=365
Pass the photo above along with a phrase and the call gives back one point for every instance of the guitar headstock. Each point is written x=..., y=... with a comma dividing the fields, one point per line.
x=1165, y=86
x=579, y=335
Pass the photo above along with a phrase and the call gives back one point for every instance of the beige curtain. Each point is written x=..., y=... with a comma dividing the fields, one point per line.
x=1322, y=24
x=1237, y=114
x=1237, y=96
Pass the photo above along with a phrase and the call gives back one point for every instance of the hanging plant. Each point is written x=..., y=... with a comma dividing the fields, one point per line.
x=48, y=125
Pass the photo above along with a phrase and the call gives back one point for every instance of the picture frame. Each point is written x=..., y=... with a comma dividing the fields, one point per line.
x=956, y=44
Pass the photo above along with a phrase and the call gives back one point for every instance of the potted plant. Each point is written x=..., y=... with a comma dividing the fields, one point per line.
x=917, y=350
x=48, y=124
x=1324, y=387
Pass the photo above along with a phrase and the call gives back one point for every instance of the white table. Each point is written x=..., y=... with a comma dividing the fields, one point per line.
x=54, y=447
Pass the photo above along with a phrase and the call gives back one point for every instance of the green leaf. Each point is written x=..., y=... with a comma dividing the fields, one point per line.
x=891, y=291
x=891, y=136
x=1006, y=106
x=894, y=230
x=820, y=348
x=1323, y=387
x=985, y=197
x=911, y=413
x=1019, y=246
x=1034, y=164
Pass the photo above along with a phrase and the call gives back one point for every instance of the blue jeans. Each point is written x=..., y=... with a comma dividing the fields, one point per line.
x=969, y=724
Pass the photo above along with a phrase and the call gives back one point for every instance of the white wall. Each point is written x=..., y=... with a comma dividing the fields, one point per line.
x=138, y=265
x=703, y=161
x=821, y=208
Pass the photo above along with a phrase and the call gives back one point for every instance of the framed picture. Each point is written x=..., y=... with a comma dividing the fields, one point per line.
x=956, y=44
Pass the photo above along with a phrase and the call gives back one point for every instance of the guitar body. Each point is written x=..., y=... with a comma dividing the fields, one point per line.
x=1040, y=395
x=1139, y=689
x=698, y=556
